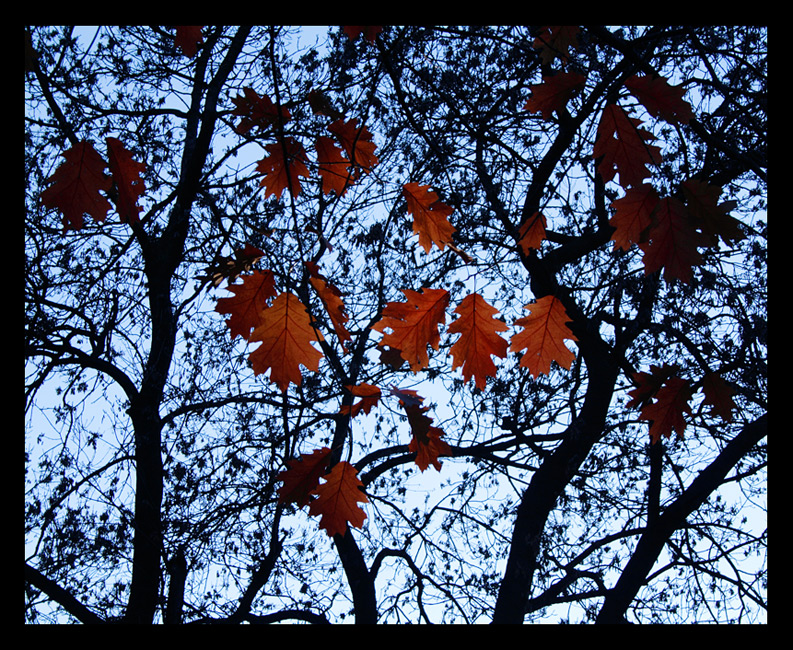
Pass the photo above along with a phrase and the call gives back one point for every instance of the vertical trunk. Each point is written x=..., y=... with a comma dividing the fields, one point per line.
x=145, y=415
x=177, y=568
x=358, y=577
x=162, y=256
x=556, y=471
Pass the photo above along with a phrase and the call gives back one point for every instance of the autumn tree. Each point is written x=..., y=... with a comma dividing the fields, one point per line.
x=395, y=324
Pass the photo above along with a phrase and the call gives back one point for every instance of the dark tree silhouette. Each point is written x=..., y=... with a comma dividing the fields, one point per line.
x=616, y=173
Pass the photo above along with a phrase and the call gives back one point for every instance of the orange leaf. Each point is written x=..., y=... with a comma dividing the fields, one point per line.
x=660, y=99
x=543, y=336
x=249, y=301
x=553, y=93
x=414, y=324
x=391, y=357
x=370, y=396
x=76, y=185
x=286, y=334
x=283, y=173
x=623, y=147
x=430, y=216
x=406, y=396
x=126, y=174
x=673, y=242
x=334, y=168
x=302, y=477
x=666, y=413
x=337, y=500
x=331, y=298
x=532, y=233
x=632, y=216
x=426, y=442
x=479, y=339
x=357, y=142
x=257, y=111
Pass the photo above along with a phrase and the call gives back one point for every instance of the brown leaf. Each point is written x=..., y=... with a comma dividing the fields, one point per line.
x=286, y=334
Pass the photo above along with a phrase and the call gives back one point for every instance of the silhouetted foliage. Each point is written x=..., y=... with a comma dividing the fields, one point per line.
x=625, y=482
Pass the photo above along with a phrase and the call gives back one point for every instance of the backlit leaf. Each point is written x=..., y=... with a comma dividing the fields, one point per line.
x=249, y=301
x=544, y=332
x=632, y=216
x=660, y=99
x=667, y=413
x=76, y=185
x=126, y=174
x=624, y=148
x=479, y=339
x=414, y=324
x=553, y=93
x=302, y=477
x=430, y=216
x=286, y=334
x=283, y=168
x=337, y=499
x=673, y=241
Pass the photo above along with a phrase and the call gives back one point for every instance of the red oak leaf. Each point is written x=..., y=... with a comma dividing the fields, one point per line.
x=673, y=242
x=286, y=334
x=126, y=174
x=370, y=396
x=188, y=37
x=257, y=111
x=660, y=99
x=331, y=298
x=76, y=184
x=391, y=357
x=430, y=216
x=356, y=142
x=249, y=301
x=666, y=414
x=553, y=93
x=545, y=329
x=283, y=167
x=334, y=167
x=302, y=477
x=632, y=216
x=479, y=339
x=337, y=499
x=414, y=324
x=624, y=148
x=648, y=384
x=406, y=396
x=718, y=394
x=532, y=232
x=426, y=442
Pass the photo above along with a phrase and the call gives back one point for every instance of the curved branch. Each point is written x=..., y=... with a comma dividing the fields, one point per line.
x=658, y=532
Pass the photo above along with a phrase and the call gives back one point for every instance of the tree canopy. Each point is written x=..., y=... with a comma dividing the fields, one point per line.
x=401, y=324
